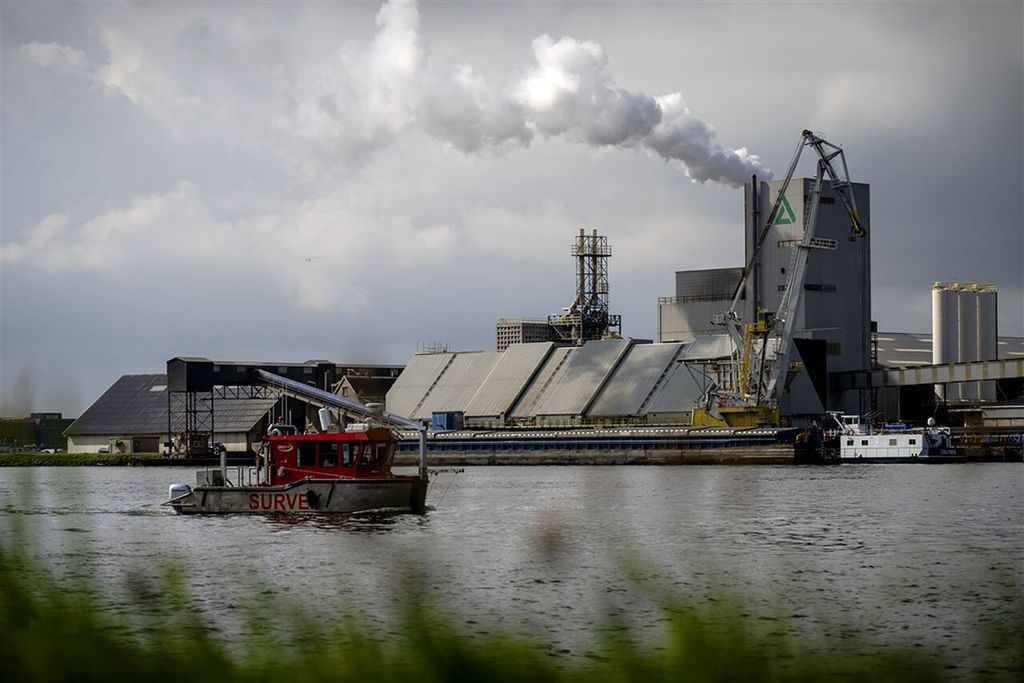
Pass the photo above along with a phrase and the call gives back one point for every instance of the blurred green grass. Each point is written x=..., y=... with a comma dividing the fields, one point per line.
x=52, y=631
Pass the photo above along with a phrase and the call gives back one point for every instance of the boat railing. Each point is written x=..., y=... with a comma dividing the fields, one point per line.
x=232, y=475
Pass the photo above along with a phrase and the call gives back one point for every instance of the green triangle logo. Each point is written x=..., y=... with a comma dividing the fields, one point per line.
x=785, y=215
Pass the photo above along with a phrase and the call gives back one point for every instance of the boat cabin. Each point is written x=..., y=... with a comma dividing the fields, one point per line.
x=347, y=455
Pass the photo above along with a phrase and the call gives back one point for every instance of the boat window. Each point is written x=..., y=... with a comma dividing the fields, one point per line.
x=382, y=454
x=348, y=454
x=329, y=454
x=863, y=442
x=307, y=454
x=913, y=442
x=892, y=442
x=849, y=442
x=369, y=456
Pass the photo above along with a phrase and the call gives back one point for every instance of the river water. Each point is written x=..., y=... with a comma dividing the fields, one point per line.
x=903, y=555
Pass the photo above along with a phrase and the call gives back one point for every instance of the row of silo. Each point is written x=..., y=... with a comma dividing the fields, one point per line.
x=963, y=330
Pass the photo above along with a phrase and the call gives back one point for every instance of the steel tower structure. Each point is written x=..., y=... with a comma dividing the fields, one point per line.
x=587, y=317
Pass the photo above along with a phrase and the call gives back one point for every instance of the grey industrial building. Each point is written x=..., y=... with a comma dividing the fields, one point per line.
x=572, y=368
x=836, y=305
x=623, y=381
x=510, y=331
x=541, y=384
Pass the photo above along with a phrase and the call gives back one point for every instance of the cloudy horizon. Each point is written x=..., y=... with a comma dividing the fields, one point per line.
x=346, y=181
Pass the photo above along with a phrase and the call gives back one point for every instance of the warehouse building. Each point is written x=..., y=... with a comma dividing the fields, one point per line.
x=206, y=402
x=614, y=381
x=131, y=417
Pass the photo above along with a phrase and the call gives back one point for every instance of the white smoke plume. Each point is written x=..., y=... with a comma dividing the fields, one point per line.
x=568, y=91
x=359, y=99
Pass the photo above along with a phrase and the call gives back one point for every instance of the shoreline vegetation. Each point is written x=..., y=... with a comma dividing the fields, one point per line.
x=80, y=459
x=55, y=631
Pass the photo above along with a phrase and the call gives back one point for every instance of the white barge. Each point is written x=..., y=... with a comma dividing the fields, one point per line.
x=894, y=443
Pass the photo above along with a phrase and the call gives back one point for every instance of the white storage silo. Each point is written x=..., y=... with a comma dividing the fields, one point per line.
x=967, y=335
x=945, y=330
x=988, y=332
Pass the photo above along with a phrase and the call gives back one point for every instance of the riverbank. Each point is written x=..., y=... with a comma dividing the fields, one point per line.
x=110, y=460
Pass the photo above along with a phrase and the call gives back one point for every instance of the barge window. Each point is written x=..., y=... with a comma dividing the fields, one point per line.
x=329, y=454
x=307, y=454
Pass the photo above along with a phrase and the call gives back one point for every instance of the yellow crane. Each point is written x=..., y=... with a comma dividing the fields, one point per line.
x=757, y=372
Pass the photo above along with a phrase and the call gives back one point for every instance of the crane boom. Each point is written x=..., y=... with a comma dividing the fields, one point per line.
x=756, y=382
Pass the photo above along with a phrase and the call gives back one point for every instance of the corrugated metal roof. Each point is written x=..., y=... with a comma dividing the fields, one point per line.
x=137, y=404
x=412, y=386
x=508, y=379
x=709, y=347
x=634, y=379
x=678, y=392
x=458, y=383
x=526, y=405
x=580, y=377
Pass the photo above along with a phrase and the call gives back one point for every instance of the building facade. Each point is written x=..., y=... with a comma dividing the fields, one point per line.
x=835, y=304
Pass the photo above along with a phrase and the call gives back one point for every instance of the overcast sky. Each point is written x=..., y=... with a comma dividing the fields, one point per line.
x=284, y=181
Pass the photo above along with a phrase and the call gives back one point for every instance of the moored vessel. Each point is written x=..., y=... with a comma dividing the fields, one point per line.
x=858, y=442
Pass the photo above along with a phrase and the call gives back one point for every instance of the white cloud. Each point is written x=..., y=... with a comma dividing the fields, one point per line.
x=356, y=98
x=327, y=256
x=59, y=58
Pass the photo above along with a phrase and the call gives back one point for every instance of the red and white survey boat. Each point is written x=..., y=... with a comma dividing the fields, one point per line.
x=345, y=470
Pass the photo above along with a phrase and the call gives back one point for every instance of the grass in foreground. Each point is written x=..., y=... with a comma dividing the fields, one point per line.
x=52, y=632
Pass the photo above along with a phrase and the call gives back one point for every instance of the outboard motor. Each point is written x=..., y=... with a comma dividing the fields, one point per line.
x=178, y=490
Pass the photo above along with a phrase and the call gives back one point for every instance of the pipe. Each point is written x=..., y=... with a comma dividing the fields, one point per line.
x=423, y=453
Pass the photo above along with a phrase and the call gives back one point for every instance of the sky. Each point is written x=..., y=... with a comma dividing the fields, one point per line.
x=352, y=181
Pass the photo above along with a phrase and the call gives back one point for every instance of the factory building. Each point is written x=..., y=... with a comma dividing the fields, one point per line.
x=510, y=331
x=833, y=325
x=587, y=317
x=613, y=381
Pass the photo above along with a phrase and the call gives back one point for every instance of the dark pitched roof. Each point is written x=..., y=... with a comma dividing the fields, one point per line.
x=137, y=404
x=370, y=386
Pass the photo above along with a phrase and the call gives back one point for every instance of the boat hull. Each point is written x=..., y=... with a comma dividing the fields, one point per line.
x=310, y=496
x=932, y=459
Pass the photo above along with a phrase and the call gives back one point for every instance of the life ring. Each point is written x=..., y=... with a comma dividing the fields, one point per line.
x=849, y=432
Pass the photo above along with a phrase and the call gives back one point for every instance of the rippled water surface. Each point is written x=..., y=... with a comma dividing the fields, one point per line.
x=899, y=554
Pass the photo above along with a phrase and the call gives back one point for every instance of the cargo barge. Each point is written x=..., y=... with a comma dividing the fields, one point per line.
x=655, y=445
